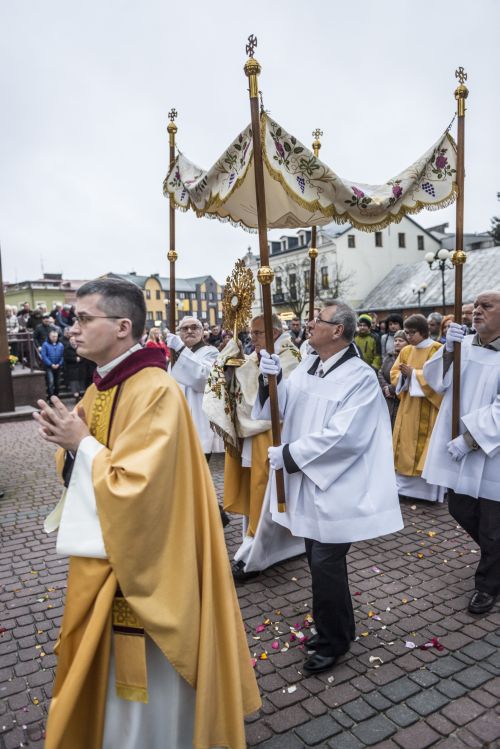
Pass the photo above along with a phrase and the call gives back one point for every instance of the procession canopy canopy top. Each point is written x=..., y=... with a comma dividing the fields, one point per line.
x=301, y=190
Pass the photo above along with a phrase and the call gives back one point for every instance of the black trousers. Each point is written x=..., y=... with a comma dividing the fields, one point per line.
x=481, y=519
x=332, y=604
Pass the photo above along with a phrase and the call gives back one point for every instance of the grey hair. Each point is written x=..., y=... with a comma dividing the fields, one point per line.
x=344, y=315
x=437, y=316
x=275, y=319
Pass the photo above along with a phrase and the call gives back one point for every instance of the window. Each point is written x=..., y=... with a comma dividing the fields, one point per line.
x=148, y=294
x=401, y=240
x=159, y=315
x=292, y=278
x=420, y=242
x=306, y=278
x=158, y=294
x=378, y=239
x=203, y=295
x=211, y=296
x=182, y=295
x=279, y=288
x=324, y=277
x=149, y=315
x=351, y=240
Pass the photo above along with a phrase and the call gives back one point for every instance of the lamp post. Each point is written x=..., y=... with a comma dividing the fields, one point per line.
x=419, y=291
x=441, y=260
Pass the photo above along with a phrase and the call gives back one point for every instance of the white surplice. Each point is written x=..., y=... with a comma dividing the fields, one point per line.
x=339, y=435
x=191, y=370
x=478, y=473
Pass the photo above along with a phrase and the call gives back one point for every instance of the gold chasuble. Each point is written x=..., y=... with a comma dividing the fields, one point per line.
x=167, y=563
x=416, y=415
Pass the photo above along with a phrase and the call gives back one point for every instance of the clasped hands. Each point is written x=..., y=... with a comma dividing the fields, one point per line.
x=61, y=426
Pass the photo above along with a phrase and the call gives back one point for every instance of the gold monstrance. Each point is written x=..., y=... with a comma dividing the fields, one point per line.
x=239, y=293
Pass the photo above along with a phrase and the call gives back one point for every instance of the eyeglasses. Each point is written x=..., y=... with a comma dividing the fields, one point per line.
x=84, y=319
x=327, y=322
x=257, y=332
x=192, y=328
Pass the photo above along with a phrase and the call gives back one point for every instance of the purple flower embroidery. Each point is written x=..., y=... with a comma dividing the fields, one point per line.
x=358, y=193
x=441, y=161
x=279, y=148
x=397, y=191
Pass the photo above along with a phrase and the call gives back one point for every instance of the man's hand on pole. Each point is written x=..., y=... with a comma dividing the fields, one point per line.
x=275, y=455
x=269, y=364
x=454, y=334
x=65, y=428
x=174, y=342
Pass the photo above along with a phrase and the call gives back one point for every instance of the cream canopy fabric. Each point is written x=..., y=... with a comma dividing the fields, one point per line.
x=301, y=190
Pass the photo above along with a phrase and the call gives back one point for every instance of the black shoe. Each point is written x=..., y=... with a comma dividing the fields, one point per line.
x=224, y=517
x=481, y=602
x=312, y=643
x=318, y=663
x=239, y=574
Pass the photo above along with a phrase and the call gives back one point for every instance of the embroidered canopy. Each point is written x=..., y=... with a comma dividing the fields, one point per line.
x=301, y=190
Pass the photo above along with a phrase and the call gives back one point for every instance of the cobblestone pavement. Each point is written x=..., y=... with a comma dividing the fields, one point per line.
x=407, y=589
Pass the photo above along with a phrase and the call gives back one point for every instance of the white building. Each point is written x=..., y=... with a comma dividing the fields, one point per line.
x=350, y=262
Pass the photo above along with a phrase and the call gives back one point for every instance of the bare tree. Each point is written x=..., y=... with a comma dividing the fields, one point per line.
x=292, y=285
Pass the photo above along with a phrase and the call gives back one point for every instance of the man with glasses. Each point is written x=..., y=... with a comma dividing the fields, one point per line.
x=337, y=462
x=148, y=581
x=190, y=368
x=228, y=402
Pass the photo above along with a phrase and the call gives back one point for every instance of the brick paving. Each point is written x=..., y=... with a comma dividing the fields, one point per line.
x=407, y=588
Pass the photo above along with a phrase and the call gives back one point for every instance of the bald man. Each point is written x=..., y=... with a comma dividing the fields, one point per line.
x=469, y=465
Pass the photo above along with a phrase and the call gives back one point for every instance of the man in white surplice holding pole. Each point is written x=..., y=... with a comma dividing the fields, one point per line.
x=336, y=453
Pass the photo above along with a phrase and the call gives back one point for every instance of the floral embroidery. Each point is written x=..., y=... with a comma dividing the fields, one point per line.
x=397, y=190
x=440, y=165
x=298, y=161
x=359, y=198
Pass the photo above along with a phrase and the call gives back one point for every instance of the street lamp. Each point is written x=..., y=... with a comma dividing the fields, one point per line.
x=419, y=291
x=440, y=261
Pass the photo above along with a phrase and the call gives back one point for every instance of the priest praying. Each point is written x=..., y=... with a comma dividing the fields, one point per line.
x=338, y=468
x=149, y=580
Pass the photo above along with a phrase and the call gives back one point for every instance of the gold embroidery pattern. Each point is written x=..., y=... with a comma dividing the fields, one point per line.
x=101, y=414
x=123, y=616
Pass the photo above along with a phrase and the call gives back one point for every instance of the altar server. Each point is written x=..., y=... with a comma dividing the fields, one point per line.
x=152, y=651
x=338, y=468
x=190, y=368
x=469, y=465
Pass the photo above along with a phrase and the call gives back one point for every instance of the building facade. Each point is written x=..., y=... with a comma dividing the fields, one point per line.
x=350, y=262
x=49, y=290
x=199, y=297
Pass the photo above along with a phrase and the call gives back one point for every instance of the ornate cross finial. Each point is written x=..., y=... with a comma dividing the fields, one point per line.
x=172, y=114
x=252, y=43
x=317, y=133
x=461, y=75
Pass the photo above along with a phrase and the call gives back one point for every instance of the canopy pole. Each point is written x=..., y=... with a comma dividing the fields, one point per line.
x=172, y=254
x=459, y=257
x=265, y=273
x=313, y=250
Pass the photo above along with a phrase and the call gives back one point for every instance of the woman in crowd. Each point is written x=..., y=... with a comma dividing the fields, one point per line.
x=445, y=324
x=155, y=340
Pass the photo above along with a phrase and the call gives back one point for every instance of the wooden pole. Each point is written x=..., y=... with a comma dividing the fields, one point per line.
x=172, y=253
x=265, y=273
x=313, y=250
x=6, y=389
x=459, y=257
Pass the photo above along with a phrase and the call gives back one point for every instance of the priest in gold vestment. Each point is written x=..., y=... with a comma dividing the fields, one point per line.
x=228, y=403
x=417, y=413
x=152, y=651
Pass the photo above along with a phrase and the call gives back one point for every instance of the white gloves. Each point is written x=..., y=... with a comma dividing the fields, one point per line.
x=269, y=364
x=458, y=448
x=454, y=334
x=275, y=455
x=174, y=342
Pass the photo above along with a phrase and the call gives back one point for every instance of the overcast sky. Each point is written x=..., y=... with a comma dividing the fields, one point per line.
x=85, y=88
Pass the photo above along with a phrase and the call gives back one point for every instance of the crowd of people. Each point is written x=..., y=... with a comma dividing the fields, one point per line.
x=365, y=410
